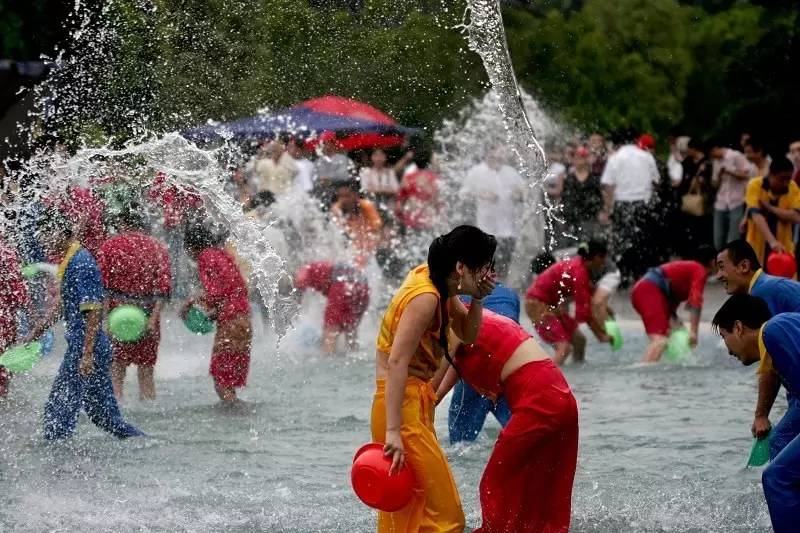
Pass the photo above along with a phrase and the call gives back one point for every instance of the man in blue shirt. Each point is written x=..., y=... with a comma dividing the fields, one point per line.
x=468, y=409
x=740, y=272
x=751, y=335
x=83, y=380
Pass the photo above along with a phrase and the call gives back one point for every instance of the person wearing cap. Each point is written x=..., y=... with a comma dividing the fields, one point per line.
x=628, y=182
x=753, y=335
x=731, y=171
x=740, y=273
x=773, y=208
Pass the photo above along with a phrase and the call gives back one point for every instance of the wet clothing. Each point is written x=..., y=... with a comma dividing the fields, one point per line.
x=136, y=270
x=582, y=202
x=435, y=505
x=779, y=344
x=345, y=287
x=662, y=289
x=428, y=356
x=81, y=291
x=13, y=298
x=527, y=483
x=568, y=279
x=468, y=407
x=782, y=296
x=757, y=191
x=225, y=291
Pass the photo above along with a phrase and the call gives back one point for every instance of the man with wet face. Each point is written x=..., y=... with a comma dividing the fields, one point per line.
x=740, y=273
x=773, y=208
x=752, y=336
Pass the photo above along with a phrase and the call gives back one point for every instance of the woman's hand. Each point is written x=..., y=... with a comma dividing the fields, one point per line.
x=485, y=287
x=394, y=449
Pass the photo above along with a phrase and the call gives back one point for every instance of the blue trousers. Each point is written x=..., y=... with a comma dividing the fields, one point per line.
x=781, y=480
x=787, y=429
x=468, y=411
x=94, y=394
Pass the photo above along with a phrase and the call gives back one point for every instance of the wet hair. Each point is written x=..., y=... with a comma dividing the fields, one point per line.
x=740, y=250
x=592, y=249
x=352, y=185
x=698, y=144
x=750, y=310
x=781, y=165
x=705, y=254
x=466, y=244
x=542, y=262
x=200, y=235
x=755, y=144
x=53, y=221
x=262, y=198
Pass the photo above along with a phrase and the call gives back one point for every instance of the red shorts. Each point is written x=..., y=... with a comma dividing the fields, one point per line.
x=553, y=329
x=652, y=305
x=347, y=303
x=141, y=353
x=229, y=369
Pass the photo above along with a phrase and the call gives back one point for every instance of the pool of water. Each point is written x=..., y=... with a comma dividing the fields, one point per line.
x=662, y=448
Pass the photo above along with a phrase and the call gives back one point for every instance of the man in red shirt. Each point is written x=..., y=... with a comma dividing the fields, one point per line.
x=135, y=268
x=657, y=295
x=547, y=298
x=13, y=297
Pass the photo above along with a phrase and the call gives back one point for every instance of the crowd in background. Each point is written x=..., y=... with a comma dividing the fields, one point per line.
x=651, y=208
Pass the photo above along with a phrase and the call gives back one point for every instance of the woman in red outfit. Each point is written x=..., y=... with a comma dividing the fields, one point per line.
x=657, y=295
x=347, y=292
x=527, y=484
x=225, y=298
x=547, y=298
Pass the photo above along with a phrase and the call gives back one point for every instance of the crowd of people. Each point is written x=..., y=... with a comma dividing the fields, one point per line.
x=618, y=217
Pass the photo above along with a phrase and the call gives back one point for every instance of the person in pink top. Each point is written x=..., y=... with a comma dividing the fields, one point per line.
x=657, y=295
x=546, y=302
x=731, y=173
x=225, y=299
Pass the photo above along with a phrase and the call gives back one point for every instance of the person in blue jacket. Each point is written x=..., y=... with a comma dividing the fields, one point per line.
x=83, y=380
x=740, y=272
x=468, y=409
x=752, y=336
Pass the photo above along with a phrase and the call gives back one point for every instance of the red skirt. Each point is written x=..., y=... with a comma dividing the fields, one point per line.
x=347, y=303
x=140, y=353
x=527, y=484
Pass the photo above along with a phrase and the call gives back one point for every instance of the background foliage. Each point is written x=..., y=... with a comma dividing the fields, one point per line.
x=709, y=68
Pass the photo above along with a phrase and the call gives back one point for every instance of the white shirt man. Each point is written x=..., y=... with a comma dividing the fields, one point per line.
x=632, y=172
x=497, y=190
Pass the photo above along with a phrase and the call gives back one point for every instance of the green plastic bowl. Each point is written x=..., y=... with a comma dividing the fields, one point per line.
x=198, y=322
x=759, y=453
x=678, y=345
x=30, y=271
x=21, y=358
x=613, y=331
x=127, y=323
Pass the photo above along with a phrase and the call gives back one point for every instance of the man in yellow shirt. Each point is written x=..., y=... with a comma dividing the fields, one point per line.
x=773, y=208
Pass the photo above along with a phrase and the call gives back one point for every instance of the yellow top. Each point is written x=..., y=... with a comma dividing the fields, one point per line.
x=754, y=279
x=757, y=191
x=766, y=361
x=428, y=357
x=71, y=251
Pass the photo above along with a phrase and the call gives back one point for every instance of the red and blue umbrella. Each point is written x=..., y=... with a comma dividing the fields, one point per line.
x=355, y=124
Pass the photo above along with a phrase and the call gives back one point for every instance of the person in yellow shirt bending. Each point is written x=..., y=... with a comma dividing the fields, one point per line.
x=773, y=208
x=411, y=344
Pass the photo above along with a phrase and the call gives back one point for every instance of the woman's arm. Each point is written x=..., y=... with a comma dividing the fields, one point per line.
x=416, y=318
x=448, y=381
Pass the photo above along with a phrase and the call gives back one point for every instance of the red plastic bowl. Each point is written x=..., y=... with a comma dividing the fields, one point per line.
x=373, y=484
x=781, y=264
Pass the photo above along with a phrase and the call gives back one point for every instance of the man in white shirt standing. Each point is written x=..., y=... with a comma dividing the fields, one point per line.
x=304, y=180
x=498, y=190
x=628, y=181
